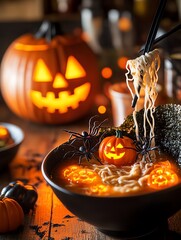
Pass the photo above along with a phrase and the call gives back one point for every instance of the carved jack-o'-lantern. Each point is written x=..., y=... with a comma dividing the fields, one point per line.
x=80, y=175
x=50, y=81
x=162, y=176
x=118, y=150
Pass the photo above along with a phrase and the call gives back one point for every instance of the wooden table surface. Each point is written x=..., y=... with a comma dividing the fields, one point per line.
x=50, y=219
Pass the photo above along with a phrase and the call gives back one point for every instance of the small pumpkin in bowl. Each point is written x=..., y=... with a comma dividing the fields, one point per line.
x=118, y=150
x=11, y=215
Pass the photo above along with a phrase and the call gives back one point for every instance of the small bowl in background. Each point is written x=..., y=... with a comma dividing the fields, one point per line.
x=8, y=152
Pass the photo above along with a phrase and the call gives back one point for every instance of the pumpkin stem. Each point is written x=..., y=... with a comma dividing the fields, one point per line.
x=48, y=30
x=119, y=134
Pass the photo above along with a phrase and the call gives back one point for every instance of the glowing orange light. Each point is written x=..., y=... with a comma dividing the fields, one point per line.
x=59, y=81
x=106, y=72
x=42, y=73
x=3, y=133
x=162, y=177
x=112, y=154
x=80, y=175
x=22, y=47
x=98, y=189
x=163, y=164
x=124, y=24
x=74, y=69
x=122, y=62
x=64, y=100
x=101, y=109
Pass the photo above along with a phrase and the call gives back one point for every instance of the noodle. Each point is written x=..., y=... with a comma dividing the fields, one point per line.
x=143, y=71
x=125, y=179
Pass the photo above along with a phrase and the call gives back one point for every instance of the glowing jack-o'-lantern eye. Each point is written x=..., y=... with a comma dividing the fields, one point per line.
x=119, y=145
x=41, y=72
x=74, y=69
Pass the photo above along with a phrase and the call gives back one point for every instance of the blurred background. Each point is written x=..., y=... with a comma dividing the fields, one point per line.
x=115, y=30
x=102, y=20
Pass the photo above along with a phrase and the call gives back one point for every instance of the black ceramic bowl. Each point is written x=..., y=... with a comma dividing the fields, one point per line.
x=8, y=152
x=124, y=216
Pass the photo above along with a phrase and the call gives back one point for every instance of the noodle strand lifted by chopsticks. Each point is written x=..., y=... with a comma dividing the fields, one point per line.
x=143, y=71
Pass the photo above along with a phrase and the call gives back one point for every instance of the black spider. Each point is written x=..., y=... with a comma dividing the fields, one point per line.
x=86, y=137
x=143, y=147
x=84, y=152
x=86, y=144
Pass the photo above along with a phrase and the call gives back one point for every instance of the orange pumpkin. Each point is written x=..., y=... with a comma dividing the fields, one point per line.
x=49, y=81
x=162, y=177
x=82, y=176
x=11, y=215
x=118, y=150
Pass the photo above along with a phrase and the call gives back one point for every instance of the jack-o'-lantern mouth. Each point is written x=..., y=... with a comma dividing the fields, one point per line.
x=114, y=155
x=64, y=101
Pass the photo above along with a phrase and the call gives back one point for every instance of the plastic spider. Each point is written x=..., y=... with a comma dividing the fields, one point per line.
x=86, y=137
x=143, y=147
x=84, y=152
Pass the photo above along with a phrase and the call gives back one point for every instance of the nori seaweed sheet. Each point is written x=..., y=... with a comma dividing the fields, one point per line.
x=167, y=128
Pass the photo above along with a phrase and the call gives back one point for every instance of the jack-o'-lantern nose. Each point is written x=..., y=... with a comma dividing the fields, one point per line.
x=59, y=81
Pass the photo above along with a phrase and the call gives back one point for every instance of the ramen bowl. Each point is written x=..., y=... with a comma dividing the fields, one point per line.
x=7, y=153
x=132, y=215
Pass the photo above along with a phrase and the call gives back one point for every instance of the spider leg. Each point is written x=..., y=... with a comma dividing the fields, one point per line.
x=96, y=158
x=90, y=123
x=137, y=156
x=149, y=156
x=100, y=139
x=70, y=154
x=154, y=148
x=96, y=129
x=93, y=129
x=73, y=134
x=87, y=144
x=144, y=157
x=80, y=159
x=87, y=158
x=131, y=148
x=76, y=139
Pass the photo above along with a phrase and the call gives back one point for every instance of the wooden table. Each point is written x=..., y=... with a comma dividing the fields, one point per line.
x=50, y=219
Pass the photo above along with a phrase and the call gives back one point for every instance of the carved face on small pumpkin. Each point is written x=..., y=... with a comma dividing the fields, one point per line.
x=79, y=175
x=56, y=82
x=162, y=176
x=117, y=150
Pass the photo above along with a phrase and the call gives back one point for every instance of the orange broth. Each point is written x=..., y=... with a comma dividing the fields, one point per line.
x=84, y=179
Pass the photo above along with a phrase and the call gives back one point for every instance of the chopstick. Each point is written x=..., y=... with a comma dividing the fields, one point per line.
x=151, y=37
x=165, y=35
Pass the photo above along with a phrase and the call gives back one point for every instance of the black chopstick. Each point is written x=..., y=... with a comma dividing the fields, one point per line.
x=151, y=37
x=163, y=36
